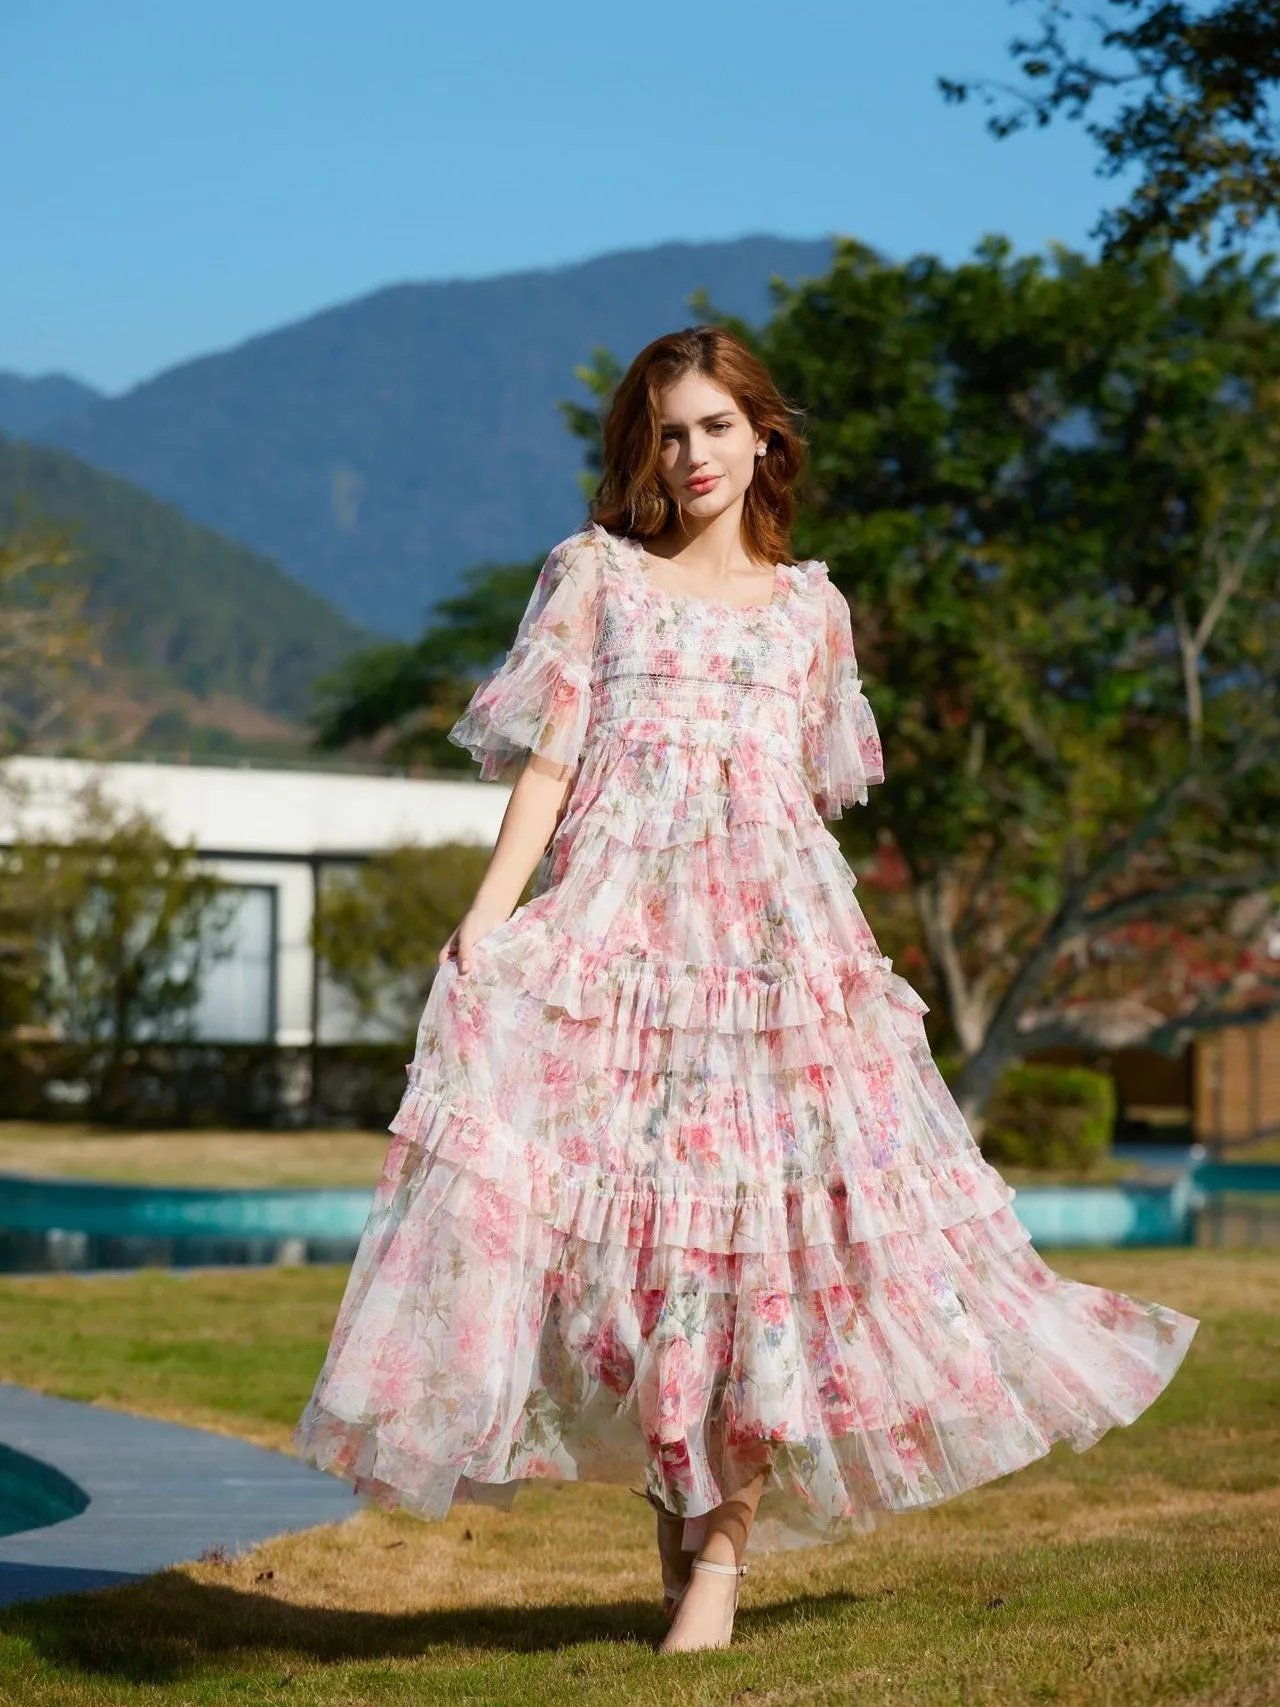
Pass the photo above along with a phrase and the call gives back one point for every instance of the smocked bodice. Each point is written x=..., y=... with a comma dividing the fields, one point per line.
x=603, y=654
x=678, y=668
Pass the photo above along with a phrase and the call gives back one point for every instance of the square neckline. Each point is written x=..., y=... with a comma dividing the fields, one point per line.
x=781, y=578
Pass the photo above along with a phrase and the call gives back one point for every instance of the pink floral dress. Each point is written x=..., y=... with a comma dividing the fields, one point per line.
x=676, y=1191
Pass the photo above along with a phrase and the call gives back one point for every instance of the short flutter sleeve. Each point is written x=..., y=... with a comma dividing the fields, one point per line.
x=839, y=741
x=539, y=697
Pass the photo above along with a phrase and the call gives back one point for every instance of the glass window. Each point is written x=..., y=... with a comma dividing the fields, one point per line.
x=237, y=1002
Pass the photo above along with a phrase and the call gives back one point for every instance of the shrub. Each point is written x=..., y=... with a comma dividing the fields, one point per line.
x=1050, y=1117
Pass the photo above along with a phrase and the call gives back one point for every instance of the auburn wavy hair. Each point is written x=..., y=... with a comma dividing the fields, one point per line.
x=631, y=499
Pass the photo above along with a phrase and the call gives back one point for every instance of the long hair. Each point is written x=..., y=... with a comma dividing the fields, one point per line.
x=631, y=499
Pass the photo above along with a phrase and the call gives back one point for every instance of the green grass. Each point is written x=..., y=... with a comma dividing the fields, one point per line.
x=334, y=1158
x=1142, y=1571
x=233, y=1159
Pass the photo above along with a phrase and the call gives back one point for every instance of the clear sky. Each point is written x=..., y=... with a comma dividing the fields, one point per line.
x=176, y=177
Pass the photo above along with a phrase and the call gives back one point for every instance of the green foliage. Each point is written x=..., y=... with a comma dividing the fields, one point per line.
x=1050, y=1117
x=121, y=927
x=380, y=926
x=1196, y=118
x=1047, y=488
x=45, y=641
x=600, y=376
x=174, y=602
x=406, y=696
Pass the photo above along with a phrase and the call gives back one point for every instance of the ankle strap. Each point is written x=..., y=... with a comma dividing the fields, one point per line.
x=721, y=1570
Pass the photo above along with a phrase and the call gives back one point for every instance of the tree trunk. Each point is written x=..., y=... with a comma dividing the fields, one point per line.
x=980, y=1075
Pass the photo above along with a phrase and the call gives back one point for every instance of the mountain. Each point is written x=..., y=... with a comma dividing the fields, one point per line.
x=196, y=628
x=379, y=448
x=28, y=404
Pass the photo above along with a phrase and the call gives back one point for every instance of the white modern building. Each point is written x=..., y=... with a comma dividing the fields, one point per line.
x=269, y=834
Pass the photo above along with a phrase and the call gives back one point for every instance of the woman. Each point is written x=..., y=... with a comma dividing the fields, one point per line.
x=676, y=1189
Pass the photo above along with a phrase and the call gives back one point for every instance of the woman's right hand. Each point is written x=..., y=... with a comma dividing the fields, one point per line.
x=476, y=922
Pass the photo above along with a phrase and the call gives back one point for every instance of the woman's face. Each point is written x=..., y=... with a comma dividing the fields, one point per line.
x=708, y=447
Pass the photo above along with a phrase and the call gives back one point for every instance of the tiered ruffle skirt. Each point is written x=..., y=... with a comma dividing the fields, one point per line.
x=676, y=1195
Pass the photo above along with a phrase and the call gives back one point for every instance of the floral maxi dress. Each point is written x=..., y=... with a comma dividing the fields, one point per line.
x=676, y=1192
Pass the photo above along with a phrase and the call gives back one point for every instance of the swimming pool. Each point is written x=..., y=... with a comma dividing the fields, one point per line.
x=34, y=1495
x=54, y=1223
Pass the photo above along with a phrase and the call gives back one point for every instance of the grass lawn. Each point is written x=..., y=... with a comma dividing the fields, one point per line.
x=1143, y=1571
x=282, y=1158
x=193, y=1158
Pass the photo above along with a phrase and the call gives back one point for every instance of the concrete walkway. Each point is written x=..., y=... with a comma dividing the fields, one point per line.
x=158, y=1494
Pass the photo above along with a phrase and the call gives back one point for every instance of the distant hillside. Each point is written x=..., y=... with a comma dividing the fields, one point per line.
x=183, y=610
x=381, y=447
x=26, y=404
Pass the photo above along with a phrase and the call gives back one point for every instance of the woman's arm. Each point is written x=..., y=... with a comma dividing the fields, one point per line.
x=528, y=824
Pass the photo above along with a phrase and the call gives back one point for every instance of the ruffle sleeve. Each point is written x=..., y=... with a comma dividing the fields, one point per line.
x=840, y=744
x=538, y=699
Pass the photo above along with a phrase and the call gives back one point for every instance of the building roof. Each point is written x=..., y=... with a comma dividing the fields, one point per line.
x=247, y=811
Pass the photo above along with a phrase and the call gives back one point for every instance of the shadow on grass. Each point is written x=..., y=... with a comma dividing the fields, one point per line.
x=168, y=1628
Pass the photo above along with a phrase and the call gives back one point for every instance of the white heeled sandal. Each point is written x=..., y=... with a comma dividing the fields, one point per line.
x=738, y=1571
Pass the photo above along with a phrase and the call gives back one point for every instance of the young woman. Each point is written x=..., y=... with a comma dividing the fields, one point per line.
x=676, y=1191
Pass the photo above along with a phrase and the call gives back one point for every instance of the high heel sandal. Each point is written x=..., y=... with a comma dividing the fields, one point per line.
x=738, y=1571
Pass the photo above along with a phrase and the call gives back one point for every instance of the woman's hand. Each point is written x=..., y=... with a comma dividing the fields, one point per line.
x=479, y=919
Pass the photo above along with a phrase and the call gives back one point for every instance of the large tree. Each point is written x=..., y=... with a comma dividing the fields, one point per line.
x=1047, y=488
x=1049, y=493
x=1184, y=95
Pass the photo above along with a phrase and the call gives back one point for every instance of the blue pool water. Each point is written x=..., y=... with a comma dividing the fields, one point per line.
x=82, y=1224
x=34, y=1495
x=87, y=1224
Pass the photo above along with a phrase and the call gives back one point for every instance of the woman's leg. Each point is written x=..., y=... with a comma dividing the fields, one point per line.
x=673, y=1559
x=704, y=1618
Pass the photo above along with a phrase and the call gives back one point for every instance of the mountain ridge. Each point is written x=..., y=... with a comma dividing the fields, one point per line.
x=377, y=448
x=30, y=401
x=188, y=619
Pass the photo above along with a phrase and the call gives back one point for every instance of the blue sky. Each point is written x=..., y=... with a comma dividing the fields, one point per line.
x=179, y=177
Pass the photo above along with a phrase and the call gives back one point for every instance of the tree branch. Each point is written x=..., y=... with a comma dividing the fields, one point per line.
x=1145, y=901
x=1065, y=922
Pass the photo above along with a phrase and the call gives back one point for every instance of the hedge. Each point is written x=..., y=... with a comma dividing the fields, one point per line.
x=1050, y=1117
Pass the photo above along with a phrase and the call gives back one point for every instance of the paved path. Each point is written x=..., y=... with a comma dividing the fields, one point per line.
x=158, y=1494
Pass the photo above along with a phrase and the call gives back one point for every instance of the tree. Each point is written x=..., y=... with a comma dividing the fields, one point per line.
x=45, y=642
x=403, y=697
x=44, y=638
x=1048, y=491
x=600, y=376
x=1190, y=94
x=125, y=924
x=379, y=927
